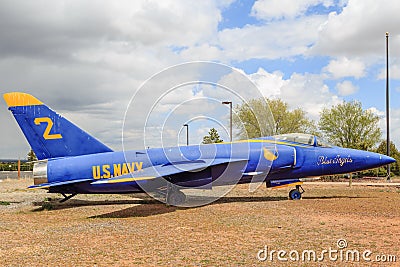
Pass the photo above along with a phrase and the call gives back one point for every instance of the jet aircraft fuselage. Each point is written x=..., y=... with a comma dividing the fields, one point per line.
x=275, y=157
x=71, y=161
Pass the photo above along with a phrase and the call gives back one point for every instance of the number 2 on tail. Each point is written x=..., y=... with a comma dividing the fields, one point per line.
x=46, y=133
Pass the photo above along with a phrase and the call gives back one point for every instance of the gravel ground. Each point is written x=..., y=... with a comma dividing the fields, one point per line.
x=123, y=230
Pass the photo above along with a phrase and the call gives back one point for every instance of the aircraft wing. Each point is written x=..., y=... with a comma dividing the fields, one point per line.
x=169, y=169
x=47, y=185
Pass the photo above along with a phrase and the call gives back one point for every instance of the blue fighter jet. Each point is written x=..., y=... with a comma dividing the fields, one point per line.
x=70, y=161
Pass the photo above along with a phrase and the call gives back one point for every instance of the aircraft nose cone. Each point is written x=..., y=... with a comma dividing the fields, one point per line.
x=375, y=160
x=386, y=159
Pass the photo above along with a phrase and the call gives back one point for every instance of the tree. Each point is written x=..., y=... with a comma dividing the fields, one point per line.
x=212, y=137
x=32, y=156
x=287, y=121
x=262, y=117
x=348, y=125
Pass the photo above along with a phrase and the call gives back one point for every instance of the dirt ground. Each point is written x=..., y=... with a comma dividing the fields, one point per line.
x=241, y=229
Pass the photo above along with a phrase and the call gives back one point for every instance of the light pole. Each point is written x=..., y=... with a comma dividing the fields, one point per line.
x=230, y=120
x=387, y=104
x=187, y=133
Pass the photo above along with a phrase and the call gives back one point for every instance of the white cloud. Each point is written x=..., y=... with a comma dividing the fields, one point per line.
x=359, y=30
x=377, y=112
x=167, y=22
x=72, y=25
x=89, y=57
x=394, y=71
x=82, y=56
x=283, y=39
x=394, y=124
x=309, y=92
x=346, y=88
x=344, y=67
x=269, y=84
x=202, y=52
x=306, y=91
x=276, y=9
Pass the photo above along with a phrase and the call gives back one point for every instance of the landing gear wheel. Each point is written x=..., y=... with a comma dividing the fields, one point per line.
x=175, y=198
x=294, y=194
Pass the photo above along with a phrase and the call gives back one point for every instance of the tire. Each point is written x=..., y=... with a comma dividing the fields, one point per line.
x=294, y=194
x=176, y=198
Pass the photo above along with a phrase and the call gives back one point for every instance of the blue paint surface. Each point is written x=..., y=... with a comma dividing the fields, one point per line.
x=76, y=162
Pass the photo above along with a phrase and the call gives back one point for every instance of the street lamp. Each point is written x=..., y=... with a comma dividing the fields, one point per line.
x=187, y=133
x=387, y=104
x=230, y=120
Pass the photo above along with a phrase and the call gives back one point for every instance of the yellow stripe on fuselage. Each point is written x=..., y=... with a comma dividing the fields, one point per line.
x=272, y=142
x=131, y=179
x=17, y=99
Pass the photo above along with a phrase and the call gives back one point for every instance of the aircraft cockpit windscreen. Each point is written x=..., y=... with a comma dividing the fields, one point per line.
x=323, y=143
x=306, y=139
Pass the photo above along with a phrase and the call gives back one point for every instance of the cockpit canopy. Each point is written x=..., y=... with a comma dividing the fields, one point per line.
x=301, y=138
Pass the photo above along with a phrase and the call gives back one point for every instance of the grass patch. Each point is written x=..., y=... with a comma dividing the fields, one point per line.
x=45, y=205
x=4, y=203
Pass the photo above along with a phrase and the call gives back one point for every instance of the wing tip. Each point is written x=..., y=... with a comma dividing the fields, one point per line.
x=40, y=186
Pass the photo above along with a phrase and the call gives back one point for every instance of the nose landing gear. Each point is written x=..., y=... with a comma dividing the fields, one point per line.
x=295, y=194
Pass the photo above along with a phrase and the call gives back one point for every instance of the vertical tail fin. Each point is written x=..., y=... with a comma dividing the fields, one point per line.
x=49, y=134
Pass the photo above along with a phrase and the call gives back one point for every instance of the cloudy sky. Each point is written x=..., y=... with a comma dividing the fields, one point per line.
x=86, y=59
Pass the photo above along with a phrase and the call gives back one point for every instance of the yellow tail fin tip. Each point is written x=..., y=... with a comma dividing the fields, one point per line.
x=16, y=99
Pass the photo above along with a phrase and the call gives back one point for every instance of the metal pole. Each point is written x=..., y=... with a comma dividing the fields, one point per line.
x=19, y=168
x=230, y=120
x=387, y=105
x=187, y=133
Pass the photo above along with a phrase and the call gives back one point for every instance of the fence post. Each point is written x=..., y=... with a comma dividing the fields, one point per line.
x=19, y=168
